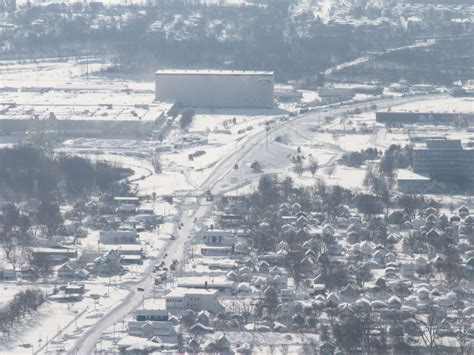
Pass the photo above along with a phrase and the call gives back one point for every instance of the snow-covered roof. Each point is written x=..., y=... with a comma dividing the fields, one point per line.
x=181, y=292
x=210, y=72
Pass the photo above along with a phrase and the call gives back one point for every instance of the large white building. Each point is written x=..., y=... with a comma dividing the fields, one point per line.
x=181, y=299
x=216, y=88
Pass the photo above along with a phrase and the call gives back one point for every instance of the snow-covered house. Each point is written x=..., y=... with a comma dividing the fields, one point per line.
x=218, y=345
x=153, y=323
x=108, y=264
x=263, y=266
x=463, y=211
x=65, y=271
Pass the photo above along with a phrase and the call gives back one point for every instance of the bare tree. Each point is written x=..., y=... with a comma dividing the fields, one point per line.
x=313, y=166
x=429, y=326
x=156, y=162
x=298, y=162
x=463, y=333
x=49, y=215
x=13, y=253
x=331, y=169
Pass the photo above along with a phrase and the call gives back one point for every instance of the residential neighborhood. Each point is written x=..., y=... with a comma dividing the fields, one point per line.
x=237, y=177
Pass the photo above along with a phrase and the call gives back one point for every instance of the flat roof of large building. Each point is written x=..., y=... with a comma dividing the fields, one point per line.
x=408, y=175
x=182, y=291
x=211, y=72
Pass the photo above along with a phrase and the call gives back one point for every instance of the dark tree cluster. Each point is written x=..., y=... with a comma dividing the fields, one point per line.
x=24, y=302
x=396, y=157
x=356, y=159
x=29, y=172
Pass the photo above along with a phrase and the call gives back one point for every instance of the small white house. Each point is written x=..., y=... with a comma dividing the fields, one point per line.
x=217, y=237
x=152, y=323
x=65, y=271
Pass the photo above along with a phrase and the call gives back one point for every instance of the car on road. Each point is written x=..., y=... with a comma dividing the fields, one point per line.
x=140, y=289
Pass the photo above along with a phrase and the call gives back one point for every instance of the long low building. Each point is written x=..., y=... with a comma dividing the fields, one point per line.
x=216, y=88
x=220, y=283
x=67, y=117
x=422, y=117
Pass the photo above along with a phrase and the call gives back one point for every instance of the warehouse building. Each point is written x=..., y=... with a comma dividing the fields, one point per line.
x=216, y=88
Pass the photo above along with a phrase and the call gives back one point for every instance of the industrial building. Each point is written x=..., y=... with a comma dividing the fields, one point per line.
x=216, y=88
x=53, y=114
x=443, y=160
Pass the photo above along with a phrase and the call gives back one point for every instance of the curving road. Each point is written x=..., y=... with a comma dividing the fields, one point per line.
x=218, y=182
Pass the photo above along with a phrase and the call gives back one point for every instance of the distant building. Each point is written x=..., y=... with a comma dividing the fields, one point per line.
x=52, y=255
x=331, y=95
x=442, y=160
x=216, y=88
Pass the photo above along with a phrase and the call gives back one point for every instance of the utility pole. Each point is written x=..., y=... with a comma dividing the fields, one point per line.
x=267, y=128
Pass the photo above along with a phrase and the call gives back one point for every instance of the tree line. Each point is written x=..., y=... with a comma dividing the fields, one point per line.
x=24, y=303
x=28, y=172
